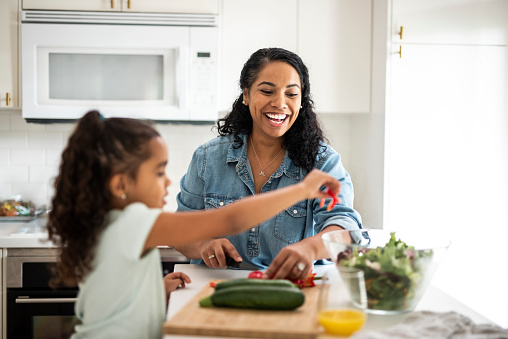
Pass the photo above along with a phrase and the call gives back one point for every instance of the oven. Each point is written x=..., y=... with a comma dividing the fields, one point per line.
x=32, y=309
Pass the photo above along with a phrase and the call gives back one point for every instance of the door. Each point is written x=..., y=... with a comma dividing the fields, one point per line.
x=9, y=95
x=447, y=141
x=40, y=314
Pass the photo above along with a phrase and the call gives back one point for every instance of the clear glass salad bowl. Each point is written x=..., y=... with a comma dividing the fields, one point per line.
x=397, y=266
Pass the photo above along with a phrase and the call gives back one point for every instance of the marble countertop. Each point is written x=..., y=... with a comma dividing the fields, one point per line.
x=434, y=299
x=24, y=234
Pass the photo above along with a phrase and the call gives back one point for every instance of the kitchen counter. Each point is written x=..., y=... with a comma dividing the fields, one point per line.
x=434, y=299
x=23, y=235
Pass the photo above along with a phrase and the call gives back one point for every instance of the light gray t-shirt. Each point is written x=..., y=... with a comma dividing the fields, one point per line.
x=123, y=296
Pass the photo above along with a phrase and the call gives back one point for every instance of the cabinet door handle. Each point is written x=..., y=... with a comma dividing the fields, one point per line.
x=112, y=3
x=401, y=32
x=129, y=4
x=45, y=300
x=7, y=98
x=399, y=52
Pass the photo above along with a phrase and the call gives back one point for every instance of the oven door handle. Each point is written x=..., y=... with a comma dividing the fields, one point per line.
x=45, y=300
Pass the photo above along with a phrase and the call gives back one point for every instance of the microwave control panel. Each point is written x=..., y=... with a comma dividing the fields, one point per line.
x=203, y=99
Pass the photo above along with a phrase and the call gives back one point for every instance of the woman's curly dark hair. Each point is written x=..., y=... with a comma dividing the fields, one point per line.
x=97, y=149
x=303, y=140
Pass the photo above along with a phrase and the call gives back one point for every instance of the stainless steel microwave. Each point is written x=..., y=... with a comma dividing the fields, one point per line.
x=142, y=65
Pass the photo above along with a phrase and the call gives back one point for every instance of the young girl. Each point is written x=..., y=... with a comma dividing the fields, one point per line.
x=107, y=217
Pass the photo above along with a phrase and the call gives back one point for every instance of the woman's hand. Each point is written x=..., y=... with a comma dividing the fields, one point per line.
x=214, y=253
x=293, y=262
x=174, y=280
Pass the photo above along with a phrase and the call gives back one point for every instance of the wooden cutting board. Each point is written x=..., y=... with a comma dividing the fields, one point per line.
x=241, y=323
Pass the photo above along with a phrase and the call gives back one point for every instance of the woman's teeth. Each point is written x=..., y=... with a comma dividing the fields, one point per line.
x=277, y=118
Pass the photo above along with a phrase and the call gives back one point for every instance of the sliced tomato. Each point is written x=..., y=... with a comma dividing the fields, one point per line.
x=255, y=275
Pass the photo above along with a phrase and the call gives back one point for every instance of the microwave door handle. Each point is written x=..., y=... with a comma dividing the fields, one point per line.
x=182, y=80
x=45, y=300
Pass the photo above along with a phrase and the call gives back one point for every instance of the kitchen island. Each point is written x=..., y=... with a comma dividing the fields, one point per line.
x=433, y=300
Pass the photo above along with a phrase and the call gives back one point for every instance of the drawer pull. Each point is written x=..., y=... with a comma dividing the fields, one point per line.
x=45, y=300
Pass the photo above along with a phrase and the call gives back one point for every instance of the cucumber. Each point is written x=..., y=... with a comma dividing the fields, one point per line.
x=256, y=297
x=255, y=282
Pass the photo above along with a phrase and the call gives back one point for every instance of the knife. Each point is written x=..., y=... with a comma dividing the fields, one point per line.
x=232, y=264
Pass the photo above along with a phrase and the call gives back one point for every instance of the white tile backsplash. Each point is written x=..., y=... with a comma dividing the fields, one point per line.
x=13, y=174
x=45, y=139
x=53, y=156
x=5, y=190
x=20, y=124
x=28, y=156
x=5, y=157
x=5, y=123
x=30, y=153
x=42, y=174
x=13, y=139
x=37, y=192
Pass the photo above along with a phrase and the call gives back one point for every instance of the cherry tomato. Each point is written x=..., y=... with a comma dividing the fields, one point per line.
x=255, y=275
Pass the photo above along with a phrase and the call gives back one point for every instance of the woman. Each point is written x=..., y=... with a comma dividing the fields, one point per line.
x=269, y=140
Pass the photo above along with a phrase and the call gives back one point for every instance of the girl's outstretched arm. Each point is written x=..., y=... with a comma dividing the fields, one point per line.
x=174, y=229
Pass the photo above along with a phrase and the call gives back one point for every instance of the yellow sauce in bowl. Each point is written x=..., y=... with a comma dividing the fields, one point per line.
x=342, y=321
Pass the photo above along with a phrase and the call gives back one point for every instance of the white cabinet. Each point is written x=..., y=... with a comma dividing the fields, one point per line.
x=74, y=5
x=333, y=37
x=246, y=27
x=160, y=6
x=334, y=40
x=450, y=22
x=447, y=139
x=9, y=70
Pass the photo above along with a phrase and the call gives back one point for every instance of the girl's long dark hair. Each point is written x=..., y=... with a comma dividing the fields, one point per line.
x=97, y=149
x=303, y=140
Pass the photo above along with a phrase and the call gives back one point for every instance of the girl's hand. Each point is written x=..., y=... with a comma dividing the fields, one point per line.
x=214, y=253
x=175, y=280
x=315, y=180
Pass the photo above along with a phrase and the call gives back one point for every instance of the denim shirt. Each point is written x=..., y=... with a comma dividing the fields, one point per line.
x=219, y=174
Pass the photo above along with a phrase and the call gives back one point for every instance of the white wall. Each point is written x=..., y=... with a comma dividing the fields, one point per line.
x=30, y=153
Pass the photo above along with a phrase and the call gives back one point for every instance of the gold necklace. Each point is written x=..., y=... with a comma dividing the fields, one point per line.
x=263, y=168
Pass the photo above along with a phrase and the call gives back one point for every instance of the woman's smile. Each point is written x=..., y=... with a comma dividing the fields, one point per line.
x=276, y=119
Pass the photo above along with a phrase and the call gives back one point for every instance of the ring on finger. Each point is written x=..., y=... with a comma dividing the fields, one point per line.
x=211, y=256
x=300, y=266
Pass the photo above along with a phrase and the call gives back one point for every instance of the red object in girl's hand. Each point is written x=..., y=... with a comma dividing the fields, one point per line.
x=335, y=200
x=212, y=284
x=255, y=275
